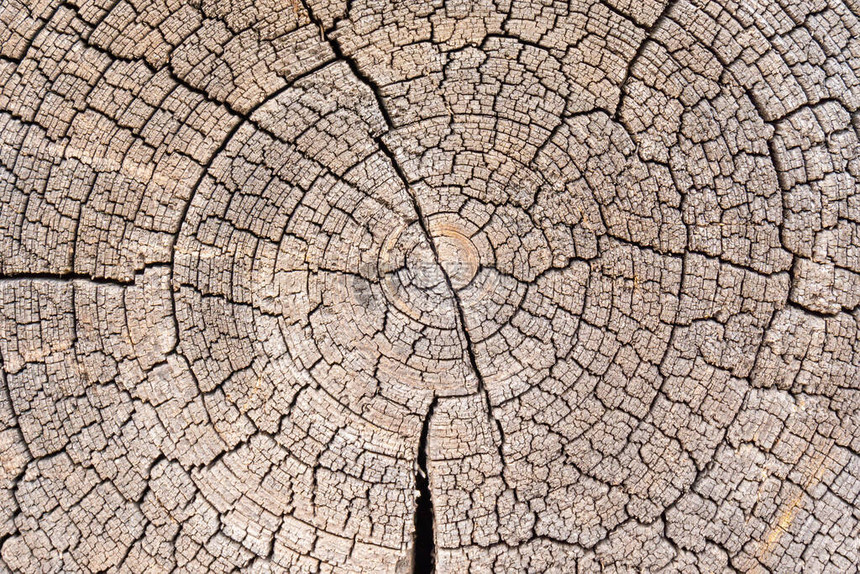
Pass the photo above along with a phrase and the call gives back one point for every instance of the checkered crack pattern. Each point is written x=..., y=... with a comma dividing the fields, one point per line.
x=324, y=286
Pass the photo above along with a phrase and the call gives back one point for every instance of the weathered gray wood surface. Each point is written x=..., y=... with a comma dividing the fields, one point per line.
x=277, y=275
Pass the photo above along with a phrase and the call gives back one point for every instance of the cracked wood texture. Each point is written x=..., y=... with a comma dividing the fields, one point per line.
x=393, y=286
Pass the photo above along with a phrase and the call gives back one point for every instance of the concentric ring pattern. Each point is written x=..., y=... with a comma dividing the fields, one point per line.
x=580, y=281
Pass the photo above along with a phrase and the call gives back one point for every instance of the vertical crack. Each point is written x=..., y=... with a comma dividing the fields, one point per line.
x=424, y=548
x=468, y=345
x=424, y=545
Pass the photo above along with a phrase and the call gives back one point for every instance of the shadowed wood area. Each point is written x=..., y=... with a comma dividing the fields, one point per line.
x=412, y=286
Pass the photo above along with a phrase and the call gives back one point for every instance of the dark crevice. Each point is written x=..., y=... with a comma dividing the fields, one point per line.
x=424, y=549
x=67, y=276
x=629, y=17
x=353, y=66
x=467, y=342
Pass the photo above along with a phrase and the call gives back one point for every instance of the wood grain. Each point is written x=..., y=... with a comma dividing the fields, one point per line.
x=412, y=286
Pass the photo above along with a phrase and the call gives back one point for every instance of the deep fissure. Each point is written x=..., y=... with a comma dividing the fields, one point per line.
x=424, y=550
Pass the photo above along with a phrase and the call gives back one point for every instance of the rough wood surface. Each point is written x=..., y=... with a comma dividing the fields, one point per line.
x=394, y=285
